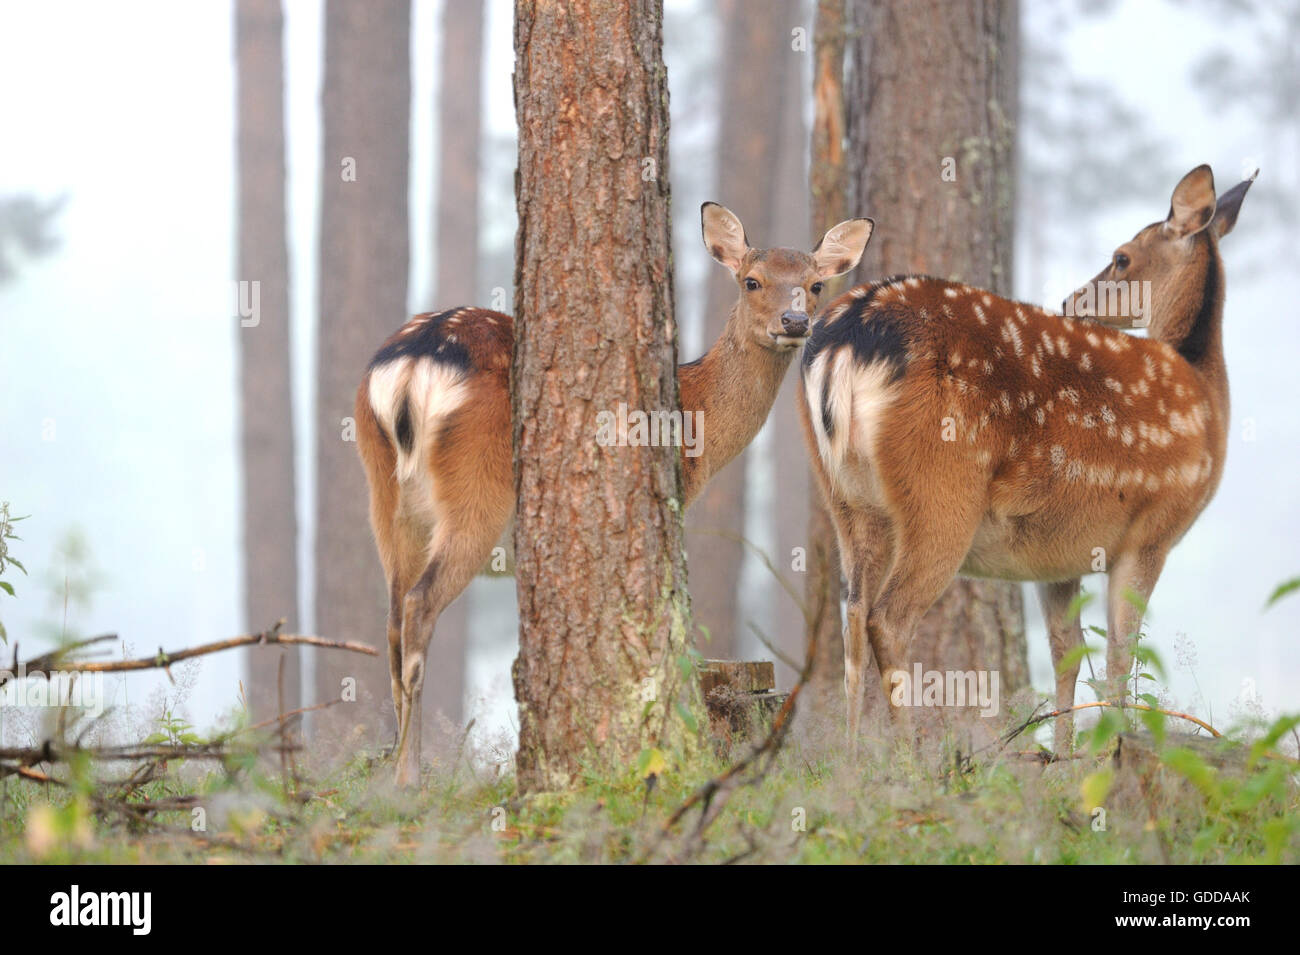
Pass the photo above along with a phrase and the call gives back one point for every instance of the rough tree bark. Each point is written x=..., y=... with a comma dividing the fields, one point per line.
x=757, y=67
x=932, y=107
x=364, y=252
x=600, y=567
x=270, y=523
x=459, y=125
x=828, y=187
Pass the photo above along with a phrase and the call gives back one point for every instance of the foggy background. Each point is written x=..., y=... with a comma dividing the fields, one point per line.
x=118, y=412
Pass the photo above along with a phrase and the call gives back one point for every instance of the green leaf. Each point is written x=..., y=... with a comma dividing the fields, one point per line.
x=1074, y=655
x=1148, y=656
x=1280, y=728
x=1191, y=767
x=1081, y=600
x=1136, y=599
x=1110, y=725
x=650, y=762
x=688, y=717
x=7, y=587
x=685, y=665
x=16, y=562
x=1260, y=786
x=1288, y=587
x=1096, y=787
x=1097, y=630
x=1153, y=720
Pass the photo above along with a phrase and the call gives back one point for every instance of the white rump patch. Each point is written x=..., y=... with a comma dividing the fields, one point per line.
x=433, y=391
x=857, y=396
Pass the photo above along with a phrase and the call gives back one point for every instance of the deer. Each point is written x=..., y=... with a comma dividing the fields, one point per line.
x=434, y=430
x=956, y=432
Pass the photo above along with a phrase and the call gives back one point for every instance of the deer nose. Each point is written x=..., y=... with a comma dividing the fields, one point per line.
x=794, y=324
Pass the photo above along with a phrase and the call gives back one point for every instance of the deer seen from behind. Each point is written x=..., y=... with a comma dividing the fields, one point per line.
x=434, y=430
x=957, y=432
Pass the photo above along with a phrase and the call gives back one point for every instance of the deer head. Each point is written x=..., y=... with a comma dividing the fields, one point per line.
x=1161, y=278
x=779, y=288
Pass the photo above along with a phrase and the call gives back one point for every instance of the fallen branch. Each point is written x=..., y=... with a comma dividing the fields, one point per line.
x=57, y=659
x=1034, y=720
x=54, y=753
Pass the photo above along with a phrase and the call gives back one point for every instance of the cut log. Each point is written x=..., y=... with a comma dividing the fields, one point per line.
x=739, y=695
x=743, y=676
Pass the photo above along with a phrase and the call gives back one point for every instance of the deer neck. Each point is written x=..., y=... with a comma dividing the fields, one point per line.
x=732, y=388
x=1197, y=334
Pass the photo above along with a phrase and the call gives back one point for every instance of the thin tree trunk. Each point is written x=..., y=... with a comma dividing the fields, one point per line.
x=363, y=268
x=935, y=92
x=598, y=536
x=270, y=522
x=757, y=63
x=459, y=124
x=828, y=185
x=791, y=474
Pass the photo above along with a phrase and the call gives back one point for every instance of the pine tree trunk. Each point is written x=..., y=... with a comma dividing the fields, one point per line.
x=598, y=535
x=270, y=522
x=937, y=92
x=364, y=250
x=756, y=67
x=459, y=124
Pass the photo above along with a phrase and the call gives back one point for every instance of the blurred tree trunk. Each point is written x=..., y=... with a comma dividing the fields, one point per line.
x=459, y=125
x=789, y=461
x=270, y=522
x=936, y=91
x=363, y=269
x=601, y=573
x=757, y=69
x=828, y=184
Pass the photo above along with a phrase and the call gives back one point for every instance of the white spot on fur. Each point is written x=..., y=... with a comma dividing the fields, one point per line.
x=1012, y=334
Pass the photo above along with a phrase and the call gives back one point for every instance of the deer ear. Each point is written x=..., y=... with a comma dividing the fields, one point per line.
x=841, y=248
x=724, y=236
x=1192, y=206
x=1225, y=213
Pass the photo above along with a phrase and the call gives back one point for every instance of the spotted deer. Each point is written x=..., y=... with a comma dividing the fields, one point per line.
x=434, y=435
x=957, y=432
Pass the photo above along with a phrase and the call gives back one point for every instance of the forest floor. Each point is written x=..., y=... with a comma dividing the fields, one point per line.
x=1146, y=796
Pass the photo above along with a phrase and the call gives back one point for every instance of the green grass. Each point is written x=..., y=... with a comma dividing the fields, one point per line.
x=1195, y=804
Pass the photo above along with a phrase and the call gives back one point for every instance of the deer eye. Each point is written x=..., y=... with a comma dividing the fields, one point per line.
x=1121, y=261
x=816, y=288
x=752, y=285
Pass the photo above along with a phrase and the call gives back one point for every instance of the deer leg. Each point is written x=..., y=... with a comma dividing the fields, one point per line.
x=396, y=595
x=1132, y=578
x=867, y=549
x=1064, y=634
x=928, y=554
x=458, y=552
